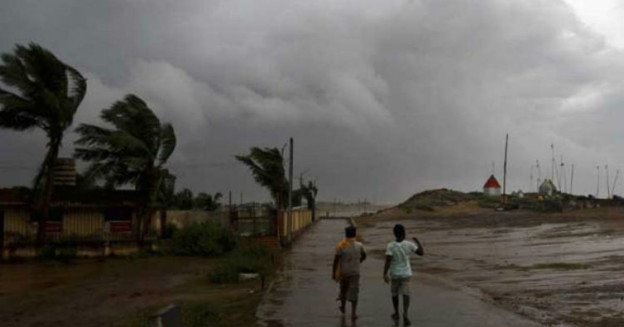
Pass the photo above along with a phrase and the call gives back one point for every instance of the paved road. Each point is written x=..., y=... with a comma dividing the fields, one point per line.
x=305, y=294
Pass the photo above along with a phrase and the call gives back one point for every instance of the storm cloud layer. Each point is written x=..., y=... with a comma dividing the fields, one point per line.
x=383, y=98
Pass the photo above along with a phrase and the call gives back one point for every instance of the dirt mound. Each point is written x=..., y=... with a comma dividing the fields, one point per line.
x=428, y=200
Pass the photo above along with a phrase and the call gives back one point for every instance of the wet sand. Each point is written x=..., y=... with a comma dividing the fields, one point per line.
x=558, y=269
x=305, y=295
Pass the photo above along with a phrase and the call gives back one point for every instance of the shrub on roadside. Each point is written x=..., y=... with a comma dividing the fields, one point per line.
x=202, y=315
x=249, y=257
x=168, y=231
x=202, y=239
x=64, y=253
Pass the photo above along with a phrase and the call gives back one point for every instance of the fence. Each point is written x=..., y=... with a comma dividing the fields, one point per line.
x=254, y=221
x=300, y=219
x=182, y=218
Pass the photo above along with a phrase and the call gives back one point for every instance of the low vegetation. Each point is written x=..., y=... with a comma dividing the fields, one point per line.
x=428, y=200
x=206, y=239
x=249, y=257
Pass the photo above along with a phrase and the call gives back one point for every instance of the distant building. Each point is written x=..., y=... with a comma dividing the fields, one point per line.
x=76, y=216
x=547, y=188
x=492, y=187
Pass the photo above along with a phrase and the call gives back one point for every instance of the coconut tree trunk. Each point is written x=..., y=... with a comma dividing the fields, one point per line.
x=45, y=189
x=147, y=188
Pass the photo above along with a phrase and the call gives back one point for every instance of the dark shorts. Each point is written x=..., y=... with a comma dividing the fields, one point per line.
x=350, y=288
x=400, y=286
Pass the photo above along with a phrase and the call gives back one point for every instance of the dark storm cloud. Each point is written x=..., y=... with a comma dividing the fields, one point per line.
x=384, y=98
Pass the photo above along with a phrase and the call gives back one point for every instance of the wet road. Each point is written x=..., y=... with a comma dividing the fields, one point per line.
x=305, y=295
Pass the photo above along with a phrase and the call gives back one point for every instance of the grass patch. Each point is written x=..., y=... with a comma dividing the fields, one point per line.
x=203, y=314
x=206, y=239
x=249, y=257
x=561, y=266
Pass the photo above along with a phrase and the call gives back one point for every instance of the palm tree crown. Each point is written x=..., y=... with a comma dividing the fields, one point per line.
x=46, y=92
x=41, y=92
x=267, y=168
x=133, y=151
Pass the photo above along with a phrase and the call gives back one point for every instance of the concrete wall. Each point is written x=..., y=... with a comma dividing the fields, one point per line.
x=491, y=191
x=301, y=218
x=78, y=223
x=181, y=218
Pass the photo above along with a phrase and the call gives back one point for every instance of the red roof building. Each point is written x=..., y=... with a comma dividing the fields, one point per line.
x=492, y=187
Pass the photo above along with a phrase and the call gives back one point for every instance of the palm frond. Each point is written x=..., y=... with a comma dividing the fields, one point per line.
x=133, y=151
x=167, y=143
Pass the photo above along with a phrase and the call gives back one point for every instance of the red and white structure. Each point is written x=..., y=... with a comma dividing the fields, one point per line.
x=492, y=187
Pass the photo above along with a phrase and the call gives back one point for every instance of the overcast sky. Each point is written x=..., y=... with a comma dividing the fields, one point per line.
x=383, y=98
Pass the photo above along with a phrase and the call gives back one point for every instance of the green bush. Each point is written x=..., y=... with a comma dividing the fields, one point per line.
x=550, y=205
x=248, y=258
x=489, y=202
x=202, y=239
x=202, y=315
x=64, y=253
x=168, y=231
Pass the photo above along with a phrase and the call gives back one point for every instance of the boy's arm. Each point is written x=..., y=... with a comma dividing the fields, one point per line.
x=362, y=254
x=335, y=266
x=386, y=267
x=420, y=251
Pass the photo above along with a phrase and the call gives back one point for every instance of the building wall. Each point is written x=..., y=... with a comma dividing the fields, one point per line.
x=17, y=224
x=78, y=224
x=83, y=223
x=491, y=191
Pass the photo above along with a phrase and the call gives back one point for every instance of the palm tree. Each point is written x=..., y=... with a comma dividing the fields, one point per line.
x=133, y=152
x=267, y=168
x=208, y=202
x=42, y=92
x=309, y=192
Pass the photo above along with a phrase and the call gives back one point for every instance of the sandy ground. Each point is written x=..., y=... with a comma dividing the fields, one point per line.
x=560, y=269
x=107, y=292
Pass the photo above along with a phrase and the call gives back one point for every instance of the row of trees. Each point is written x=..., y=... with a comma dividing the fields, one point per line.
x=184, y=200
x=267, y=165
x=42, y=92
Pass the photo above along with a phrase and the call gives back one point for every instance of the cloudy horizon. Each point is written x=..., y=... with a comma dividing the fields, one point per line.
x=383, y=99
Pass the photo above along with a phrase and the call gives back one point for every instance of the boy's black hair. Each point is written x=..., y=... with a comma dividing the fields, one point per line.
x=399, y=230
x=350, y=231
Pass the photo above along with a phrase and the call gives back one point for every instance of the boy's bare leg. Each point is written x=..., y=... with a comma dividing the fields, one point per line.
x=395, y=304
x=342, y=305
x=353, y=309
x=406, y=303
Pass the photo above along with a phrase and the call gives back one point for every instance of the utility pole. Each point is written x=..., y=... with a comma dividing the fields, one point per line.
x=572, y=180
x=505, y=171
x=552, y=171
x=530, y=180
x=598, y=182
x=539, y=175
x=607, y=175
x=617, y=173
x=561, y=176
x=290, y=189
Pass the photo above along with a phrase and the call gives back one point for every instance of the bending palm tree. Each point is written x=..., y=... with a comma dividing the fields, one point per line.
x=267, y=168
x=133, y=152
x=309, y=192
x=43, y=93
